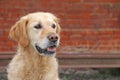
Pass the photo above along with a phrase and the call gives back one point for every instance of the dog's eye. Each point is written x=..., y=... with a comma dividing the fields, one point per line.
x=53, y=26
x=38, y=26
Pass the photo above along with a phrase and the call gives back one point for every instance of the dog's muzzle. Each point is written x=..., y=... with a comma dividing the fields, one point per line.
x=52, y=45
x=49, y=50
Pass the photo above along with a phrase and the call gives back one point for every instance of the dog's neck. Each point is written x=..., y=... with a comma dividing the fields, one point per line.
x=32, y=56
x=36, y=64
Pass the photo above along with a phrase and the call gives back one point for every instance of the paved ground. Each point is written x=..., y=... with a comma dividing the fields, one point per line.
x=70, y=74
x=87, y=74
x=3, y=76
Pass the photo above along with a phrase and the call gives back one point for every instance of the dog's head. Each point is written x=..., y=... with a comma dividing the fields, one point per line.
x=39, y=30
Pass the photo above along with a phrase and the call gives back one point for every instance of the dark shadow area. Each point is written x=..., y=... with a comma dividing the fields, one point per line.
x=3, y=76
x=90, y=74
x=83, y=74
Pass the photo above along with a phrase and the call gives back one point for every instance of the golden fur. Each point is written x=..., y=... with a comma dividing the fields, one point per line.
x=28, y=64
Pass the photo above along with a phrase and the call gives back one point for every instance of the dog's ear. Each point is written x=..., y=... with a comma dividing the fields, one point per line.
x=18, y=32
x=58, y=26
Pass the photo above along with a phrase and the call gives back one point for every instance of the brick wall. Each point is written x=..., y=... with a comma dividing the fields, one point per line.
x=88, y=26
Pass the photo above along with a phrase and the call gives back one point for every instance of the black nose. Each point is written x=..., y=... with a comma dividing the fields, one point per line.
x=53, y=37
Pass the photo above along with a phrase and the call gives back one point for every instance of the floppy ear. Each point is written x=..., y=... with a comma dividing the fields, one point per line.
x=18, y=32
x=58, y=26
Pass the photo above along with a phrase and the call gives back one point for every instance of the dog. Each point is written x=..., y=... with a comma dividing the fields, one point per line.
x=38, y=36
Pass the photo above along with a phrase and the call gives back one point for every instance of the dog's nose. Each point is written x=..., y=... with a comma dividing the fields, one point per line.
x=53, y=37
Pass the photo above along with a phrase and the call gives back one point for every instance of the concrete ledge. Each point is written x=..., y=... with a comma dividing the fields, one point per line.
x=76, y=60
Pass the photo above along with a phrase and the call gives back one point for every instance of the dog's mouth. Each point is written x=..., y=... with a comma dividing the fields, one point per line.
x=49, y=50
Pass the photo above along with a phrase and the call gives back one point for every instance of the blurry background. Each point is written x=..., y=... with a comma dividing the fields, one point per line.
x=90, y=36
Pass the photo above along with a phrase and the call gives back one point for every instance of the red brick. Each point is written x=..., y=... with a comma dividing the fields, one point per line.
x=80, y=16
x=106, y=32
x=72, y=1
x=65, y=37
x=85, y=23
x=104, y=49
x=3, y=38
x=117, y=37
x=76, y=37
x=102, y=1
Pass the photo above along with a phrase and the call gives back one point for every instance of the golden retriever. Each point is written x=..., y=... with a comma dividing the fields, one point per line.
x=38, y=37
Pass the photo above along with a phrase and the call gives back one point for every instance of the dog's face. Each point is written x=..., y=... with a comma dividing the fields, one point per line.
x=40, y=30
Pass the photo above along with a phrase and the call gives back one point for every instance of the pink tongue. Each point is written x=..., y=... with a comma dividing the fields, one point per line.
x=51, y=49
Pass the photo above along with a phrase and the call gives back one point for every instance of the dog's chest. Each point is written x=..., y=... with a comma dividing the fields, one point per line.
x=41, y=74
